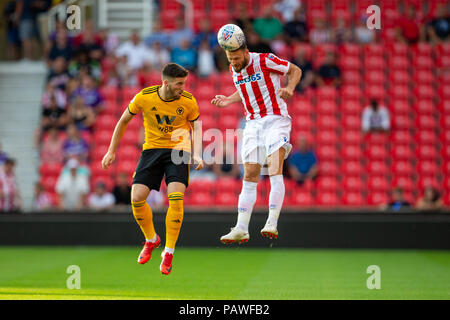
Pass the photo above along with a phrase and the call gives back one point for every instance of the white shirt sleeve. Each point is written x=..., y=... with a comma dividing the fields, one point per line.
x=385, y=122
x=276, y=64
x=365, y=123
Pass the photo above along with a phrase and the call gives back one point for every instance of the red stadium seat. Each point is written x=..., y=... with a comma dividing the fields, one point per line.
x=374, y=63
x=351, y=107
x=378, y=168
x=229, y=184
x=50, y=169
x=424, y=77
x=377, y=198
x=351, y=122
x=378, y=183
x=400, y=92
x=200, y=199
x=424, y=91
x=303, y=107
x=403, y=168
x=444, y=92
x=327, y=137
x=422, y=62
x=353, y=183
x=352, y=137
x=350, y=63
x=351, y=77
x=426, y=181
x=300, y=198
x=328, y=168
x=425, y=107
x=405, y=182
x=427, y=137
x=427, y=152
x=327, y=122
x=377, y=138
x=326, y=93
x=427, y=122
x=352, y=152
x=327, y=198
x=326, y=107
x=400, y=76
x=428, y=168
x=402, y=122
x=349, y=49
x=327, y=184
x=402, y=152
x=402, y=137
x=107, y=122
x=398, y=62
x=353, y=199
x=225, y=198
x=349, y=92
x=128, y=153
x=375, y=77
x=302, y=122
x=377, y=152
x=326, y=152
x=98, y=152
x=352, y=168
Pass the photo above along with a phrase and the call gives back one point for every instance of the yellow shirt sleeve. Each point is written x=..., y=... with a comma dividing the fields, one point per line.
x=135, y=105
x=195, y=113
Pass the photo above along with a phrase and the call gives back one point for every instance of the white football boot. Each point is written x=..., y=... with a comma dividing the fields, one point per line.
x=269, y=231
x=235, y=235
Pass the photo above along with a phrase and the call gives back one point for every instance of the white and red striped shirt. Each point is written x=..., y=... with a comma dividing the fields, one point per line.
x=258, y=83
x=8, y=191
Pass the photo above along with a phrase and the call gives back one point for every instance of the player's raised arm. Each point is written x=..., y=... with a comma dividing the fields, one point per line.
x=197, y=144
x=294, y=75
x=119, y=130
x=224, y=101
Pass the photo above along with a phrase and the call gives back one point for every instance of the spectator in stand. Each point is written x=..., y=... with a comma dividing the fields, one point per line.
x=438, y=28
x=158, y=35
x=90, y=94
x=42, y=199
x=133, y=52
x=320, y=33
x=109, y=40
x=51, y=150
x=26, y=18
x=81, y=115
x=122, y=190
x=58, y=76
x=60, y=47
x=205, y=63
x=75, y=145
x=287, y=9
x=410, y=27
x=243, y=20
x=329, y=73
x=267, y=26
x=296, y=30
x=54, y=116
x=375, y=118
x=228, y=167
x=101, y=199
x=12, y=31
x=398, y=202
x=3, y=156
x=362, y=34
x=185, y=55
x=254, y=43
x=144, y=75
x=88, y=40
x=50, y=92
x=180, y=35
x=158, y=56
x=341, y=32
x=10, y=200
x=83, y=64
x=303, y=164
x=205, y=34
x=72, y=187
x=430, y=201
x=308, y=75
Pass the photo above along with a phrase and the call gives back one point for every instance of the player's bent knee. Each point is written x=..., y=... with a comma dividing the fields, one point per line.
x=139, y=193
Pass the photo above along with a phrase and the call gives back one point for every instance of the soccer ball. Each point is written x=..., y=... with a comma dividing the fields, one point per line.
x=230, y=37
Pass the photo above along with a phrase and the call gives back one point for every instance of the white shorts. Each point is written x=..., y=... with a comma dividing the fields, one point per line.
x=262, y=137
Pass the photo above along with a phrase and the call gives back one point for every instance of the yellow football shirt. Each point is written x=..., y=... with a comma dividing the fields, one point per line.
x=166, y=122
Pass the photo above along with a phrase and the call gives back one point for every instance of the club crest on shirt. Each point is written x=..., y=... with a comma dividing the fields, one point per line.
x=180, y=111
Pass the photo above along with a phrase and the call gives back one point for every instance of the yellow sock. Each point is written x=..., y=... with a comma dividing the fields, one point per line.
x=174, y=218
x=144, y=217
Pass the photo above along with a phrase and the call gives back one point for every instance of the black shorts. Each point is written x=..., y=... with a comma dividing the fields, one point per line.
x=155, y=163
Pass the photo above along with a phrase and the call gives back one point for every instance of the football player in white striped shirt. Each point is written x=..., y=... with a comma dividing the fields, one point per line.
x=266, y=134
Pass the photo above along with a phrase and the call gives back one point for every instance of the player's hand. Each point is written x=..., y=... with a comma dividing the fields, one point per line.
x=199, y=162
x=108, y=159
x=285, y=93
x=221, y=101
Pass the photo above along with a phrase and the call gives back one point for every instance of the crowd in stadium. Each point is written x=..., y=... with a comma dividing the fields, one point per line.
x=93, y=76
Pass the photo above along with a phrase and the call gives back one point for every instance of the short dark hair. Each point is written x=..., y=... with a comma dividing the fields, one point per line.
x=173, y=70
x=243, y=47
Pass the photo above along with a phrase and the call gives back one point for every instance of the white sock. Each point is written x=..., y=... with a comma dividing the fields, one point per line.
x=152, y=240
x=247, y=200
x=276, y=198
x=169, y=250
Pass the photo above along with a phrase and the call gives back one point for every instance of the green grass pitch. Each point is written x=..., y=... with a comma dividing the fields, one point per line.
x=223, y=273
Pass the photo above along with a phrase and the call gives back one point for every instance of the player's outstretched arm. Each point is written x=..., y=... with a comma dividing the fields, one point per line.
x=224, y=101
x=119, y=130
x=294, y=75
x=197, y=145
